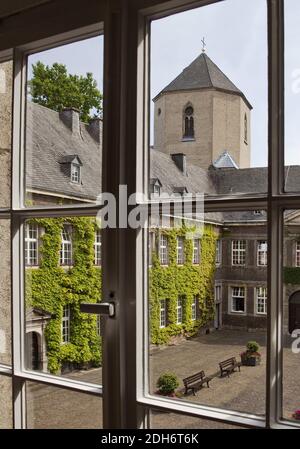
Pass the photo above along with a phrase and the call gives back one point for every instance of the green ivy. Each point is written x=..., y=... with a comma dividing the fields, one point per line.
x=291, y=275
x=51, y=287
x=187, y=280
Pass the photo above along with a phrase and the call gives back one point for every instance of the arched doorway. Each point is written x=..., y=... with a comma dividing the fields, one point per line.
x=294, y=312
x=33, y=351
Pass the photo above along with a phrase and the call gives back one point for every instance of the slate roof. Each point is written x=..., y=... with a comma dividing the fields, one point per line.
x=203, y=73
x=225, y=161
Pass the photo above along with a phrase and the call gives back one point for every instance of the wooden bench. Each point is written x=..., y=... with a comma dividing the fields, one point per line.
x=196, y=381
x=228, y=366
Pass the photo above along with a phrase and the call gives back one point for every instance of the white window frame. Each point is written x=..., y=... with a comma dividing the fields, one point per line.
x=180, y=250
x=66, y=250
x=98, y=248
x=163, y=314
x=261, y=295
x=196, y=251
x=75, y=173
x=262, y=254
x=218, y=252
x=297, y=254
x=179, y=310
x=66, y=324
x=163, y=249
x=194, y=309
x=238, y=252
x=237, y=289
x=31, y=245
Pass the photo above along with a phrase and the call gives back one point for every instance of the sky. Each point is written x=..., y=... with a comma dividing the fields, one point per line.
x=235, y=32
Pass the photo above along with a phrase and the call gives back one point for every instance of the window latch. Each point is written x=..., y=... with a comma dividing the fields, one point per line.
x=100, y=308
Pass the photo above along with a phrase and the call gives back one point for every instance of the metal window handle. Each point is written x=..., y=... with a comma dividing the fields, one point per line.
x=101, y=308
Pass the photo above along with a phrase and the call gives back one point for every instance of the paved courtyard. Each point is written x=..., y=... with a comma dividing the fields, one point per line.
x=51, y=407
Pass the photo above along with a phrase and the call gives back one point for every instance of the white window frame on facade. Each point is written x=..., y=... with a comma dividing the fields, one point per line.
x=275, y=201
x=97, y=247
x=180, y=250
x=66, y=324
x=261, y=300
x=194, y=308
x=66, y=249
x=262, y=253
x=238, y=252
x=196, y=251
x=31, y=244
x=179, y=310
x=218, y=252
x=235, y=292
x=75, y=173
x=163, y=249
x=163, y=313
x=297, y=254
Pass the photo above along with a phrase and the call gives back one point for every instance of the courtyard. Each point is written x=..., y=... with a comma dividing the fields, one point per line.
x=52, y=407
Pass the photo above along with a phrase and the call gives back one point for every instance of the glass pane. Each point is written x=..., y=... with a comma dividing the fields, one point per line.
x=207, y=319
x=291, y=316
x=166, y=420
x=208, y=118
x=292, y=91
x=62, y=271
x=64, y=124
x=5, y=131
x=5, y=402
x=5, y=293
x=49, y=407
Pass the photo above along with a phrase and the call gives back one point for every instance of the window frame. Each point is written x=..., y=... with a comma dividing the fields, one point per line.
x=31, y=240
x=66, y=324
x=97, y=248
x=163, y=309
x=66, y=249
x=163, y=250
x=264, y=298
x=180, y=259
x=244, y=297
x=239, y=253
x=75, y=173
x=297, y=254
x=179, y=310
x=261, y=253
x=197, y=260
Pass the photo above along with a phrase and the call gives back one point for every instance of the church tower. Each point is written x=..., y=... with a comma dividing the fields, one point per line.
x=202, y=114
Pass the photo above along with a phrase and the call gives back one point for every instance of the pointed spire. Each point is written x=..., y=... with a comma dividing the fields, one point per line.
x=203, y=44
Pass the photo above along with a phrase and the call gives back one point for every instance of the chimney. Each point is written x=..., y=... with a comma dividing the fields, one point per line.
x=95, y=129
x=70, y=117
x=180, y=161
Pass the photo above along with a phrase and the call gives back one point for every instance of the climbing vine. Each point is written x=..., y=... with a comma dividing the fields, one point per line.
x=51, y=287
x=187, y=281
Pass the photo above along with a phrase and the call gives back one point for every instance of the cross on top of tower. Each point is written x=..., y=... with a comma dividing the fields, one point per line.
x=203, y=44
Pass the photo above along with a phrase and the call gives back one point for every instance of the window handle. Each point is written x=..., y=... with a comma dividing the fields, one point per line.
x=101, y=308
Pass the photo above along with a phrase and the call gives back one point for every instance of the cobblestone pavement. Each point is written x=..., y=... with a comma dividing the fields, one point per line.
x=52, y=407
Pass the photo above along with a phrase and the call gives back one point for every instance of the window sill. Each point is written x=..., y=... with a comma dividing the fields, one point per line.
x=188, y=139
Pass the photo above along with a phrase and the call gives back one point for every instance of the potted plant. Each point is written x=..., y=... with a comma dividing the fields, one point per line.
x=251, y=357
x=167, y=384
x=296, y=415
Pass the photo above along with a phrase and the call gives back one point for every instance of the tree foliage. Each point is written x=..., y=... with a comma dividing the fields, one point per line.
x=57, y=89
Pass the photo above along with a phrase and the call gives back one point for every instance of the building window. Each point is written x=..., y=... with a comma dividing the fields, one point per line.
x=66, y=248
x=246, y=128
x=196, y=251
x=31, y=244
x=163, y=249
x=189, y=122
x=65, y=328
x=297, y=254
x=75, y=173
x=238, y=252
x=97, y=247
x=238, y=299
x=261, y=300
x=194, y=309
x=180, y=251
x=163, y=313
x=262, y=248
x=179, y=311
x=218, y=252
x=217, y=293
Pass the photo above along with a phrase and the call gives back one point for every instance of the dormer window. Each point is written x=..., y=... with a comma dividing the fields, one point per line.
x=75, y=173
x=180, y=191
x=188, y=123
x=155, y=187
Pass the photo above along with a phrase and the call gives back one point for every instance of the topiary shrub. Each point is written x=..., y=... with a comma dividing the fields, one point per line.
x=252, y=346
x=167, y=383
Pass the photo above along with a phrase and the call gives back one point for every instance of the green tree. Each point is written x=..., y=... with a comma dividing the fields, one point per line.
x=57, y=89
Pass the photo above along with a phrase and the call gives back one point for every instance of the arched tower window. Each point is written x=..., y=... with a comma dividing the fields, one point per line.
x=245, y=128
x=189, y=122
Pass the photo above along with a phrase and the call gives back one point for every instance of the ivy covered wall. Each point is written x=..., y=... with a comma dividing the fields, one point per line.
x=51, y=287
x=187, y=280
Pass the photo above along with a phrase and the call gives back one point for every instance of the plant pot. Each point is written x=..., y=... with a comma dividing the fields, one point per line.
x=251, y=360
